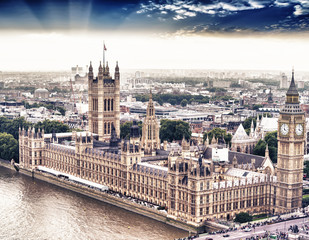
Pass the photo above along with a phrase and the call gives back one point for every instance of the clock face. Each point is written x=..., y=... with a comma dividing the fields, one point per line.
x=284, y=129
x=299, y=129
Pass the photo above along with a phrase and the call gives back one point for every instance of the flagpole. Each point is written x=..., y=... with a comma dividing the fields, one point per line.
x=103, y=54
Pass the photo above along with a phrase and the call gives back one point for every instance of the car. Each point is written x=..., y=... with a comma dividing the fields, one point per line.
x=247, y=229
x=226, y=235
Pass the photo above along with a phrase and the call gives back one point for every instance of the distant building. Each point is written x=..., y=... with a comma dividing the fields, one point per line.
x=41, y=93
x=300, y=84
x=284, y=81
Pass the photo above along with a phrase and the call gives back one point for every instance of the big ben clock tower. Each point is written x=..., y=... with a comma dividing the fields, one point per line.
x=291, y=141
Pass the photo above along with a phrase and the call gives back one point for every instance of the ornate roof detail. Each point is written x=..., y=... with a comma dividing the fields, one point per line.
x=240, y=134
x=292, y=89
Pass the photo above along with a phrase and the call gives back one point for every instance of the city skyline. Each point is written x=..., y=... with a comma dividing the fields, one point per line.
x=247, y=34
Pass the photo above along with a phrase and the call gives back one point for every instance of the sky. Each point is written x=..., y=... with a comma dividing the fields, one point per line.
x=174, y=34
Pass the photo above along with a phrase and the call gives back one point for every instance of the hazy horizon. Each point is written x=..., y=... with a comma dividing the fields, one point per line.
x=270, y=35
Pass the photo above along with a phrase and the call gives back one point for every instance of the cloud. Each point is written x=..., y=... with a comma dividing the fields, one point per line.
x=281, y=3
x=183, y=9
x=302, y=8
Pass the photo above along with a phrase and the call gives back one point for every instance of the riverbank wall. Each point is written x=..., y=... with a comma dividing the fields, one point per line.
x=110, y=199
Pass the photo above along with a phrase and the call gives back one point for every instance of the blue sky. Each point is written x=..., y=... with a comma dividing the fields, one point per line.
x=275, y=29
x=159, y=16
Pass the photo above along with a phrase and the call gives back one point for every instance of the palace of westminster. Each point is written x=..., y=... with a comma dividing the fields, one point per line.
x=202, y=181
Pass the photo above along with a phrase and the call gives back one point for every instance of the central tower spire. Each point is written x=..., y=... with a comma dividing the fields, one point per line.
x=292, y=95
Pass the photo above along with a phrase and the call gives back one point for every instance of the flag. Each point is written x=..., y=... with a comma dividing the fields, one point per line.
x=104, y=47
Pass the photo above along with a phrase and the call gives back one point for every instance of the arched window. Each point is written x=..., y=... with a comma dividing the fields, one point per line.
x=112, y=104
x=108, y=109
x=104, y=128
x=104, y=104
x=109, y=128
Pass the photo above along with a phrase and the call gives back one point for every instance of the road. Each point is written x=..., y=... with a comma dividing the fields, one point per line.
x=272, y=228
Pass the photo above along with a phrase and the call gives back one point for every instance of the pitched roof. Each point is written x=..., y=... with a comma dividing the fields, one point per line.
x=269, y=124
x=240, y=134
x=245, y=158
x=292, y=89
x=242, y=158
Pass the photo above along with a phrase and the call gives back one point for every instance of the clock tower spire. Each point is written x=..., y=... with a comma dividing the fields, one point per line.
x=291, y=140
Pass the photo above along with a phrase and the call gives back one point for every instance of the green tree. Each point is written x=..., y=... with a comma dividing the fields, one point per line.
x=247, y=123
x=51, y=126
x=173, y=101
x=125, y=129
x=8, y=147
x=306, y=168
x=12, y=126
x=184, y=102
x=61, y=110
x=235, y=85
x=271, y=140
x=171, y=130
x=243, y=217
x=218, y=132
x=257, y=106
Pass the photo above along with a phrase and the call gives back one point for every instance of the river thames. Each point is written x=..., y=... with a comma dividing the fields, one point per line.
x=32, y=209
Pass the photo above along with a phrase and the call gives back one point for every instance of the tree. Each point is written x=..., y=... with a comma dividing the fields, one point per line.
x=306, y=168
x=235, y=85
x=243, y=217
x=12, y=126
x=257, y=106
x=125, y=129
x=8, y=147
x=218, y=132
x=271, y=140
x=184, y=102
x=171, y=130
x=52, y=126
x=61, y=110
x=173, y=101
x=247, y=123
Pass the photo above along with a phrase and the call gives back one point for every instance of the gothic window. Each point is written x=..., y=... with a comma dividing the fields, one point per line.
x=104, y=104
x=109, y=128
x=108, y=108
x=104, y=126
x=112, y=105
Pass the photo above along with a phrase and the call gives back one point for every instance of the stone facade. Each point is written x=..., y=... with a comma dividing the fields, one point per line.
x=291, y=143
x=150, y=135
x=194, y=183
x=192, y=186
x=103, y=102
x=241, y=142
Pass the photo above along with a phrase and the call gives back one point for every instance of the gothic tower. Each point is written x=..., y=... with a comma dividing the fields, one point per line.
x=291, y=139
x=104, y=102
x=150, y=136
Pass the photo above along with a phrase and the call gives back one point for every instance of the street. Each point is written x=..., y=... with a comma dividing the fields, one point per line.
x=272, y=228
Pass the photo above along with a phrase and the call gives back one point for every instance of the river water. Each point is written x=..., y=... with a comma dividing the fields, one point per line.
x=32, y=209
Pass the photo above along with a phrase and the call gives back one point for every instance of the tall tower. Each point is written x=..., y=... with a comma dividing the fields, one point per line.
x=291, y=140
x=104, y=102
x=150, y=136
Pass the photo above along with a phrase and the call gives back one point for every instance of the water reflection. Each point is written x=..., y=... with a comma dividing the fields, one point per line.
x=32, y=209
